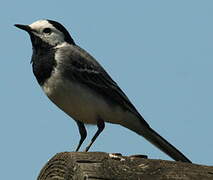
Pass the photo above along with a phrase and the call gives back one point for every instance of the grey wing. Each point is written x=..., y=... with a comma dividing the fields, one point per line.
x=85, y=69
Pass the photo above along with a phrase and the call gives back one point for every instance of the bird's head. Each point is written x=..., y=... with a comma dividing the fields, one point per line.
x=47, y=33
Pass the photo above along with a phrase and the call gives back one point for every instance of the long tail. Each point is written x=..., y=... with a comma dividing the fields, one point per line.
x=142, y=128
x=164, y=145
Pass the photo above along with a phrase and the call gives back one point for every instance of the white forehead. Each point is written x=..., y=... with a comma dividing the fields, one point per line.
x=40, y=24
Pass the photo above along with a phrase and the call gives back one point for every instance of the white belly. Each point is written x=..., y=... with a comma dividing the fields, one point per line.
x=80, y=102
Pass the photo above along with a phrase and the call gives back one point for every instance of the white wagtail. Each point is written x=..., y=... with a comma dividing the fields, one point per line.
x=78, y=84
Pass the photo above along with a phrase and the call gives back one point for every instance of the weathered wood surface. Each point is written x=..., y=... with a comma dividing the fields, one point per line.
x=104, y=166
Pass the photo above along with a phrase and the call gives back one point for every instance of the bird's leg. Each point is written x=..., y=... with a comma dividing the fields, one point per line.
x=101, y=125
x=83, y=133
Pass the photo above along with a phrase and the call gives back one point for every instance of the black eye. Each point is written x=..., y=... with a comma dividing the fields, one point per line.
x=47, y=30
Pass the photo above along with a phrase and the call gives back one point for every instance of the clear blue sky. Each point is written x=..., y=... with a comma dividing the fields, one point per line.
x=159, y=52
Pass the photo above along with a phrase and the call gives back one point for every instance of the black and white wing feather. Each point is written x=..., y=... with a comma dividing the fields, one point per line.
x=81, y=67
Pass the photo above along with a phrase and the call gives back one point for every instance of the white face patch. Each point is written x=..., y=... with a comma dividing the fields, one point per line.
x=54, y=38
x=40, y=24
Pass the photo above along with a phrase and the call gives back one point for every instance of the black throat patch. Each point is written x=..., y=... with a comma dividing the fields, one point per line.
x=43, y=59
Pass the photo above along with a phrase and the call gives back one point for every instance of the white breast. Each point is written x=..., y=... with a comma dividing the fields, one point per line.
x=80, y=102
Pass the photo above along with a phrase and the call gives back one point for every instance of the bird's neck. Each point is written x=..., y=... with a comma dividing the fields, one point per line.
x=43, y=63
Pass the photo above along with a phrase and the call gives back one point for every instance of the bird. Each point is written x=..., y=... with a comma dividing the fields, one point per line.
x=77, y=84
